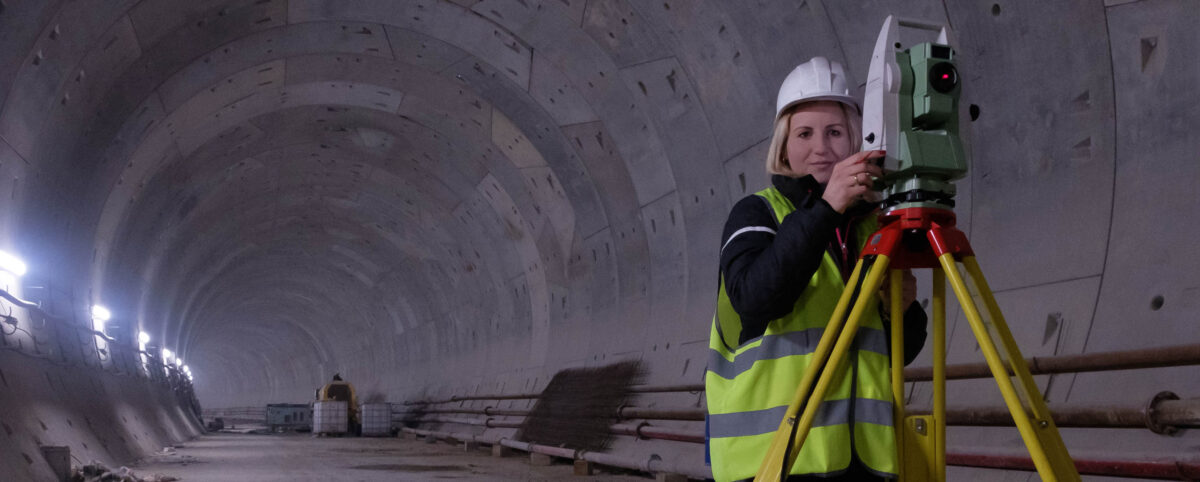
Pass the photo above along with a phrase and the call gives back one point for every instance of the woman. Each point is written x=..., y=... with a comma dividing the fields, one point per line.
x=786, y=254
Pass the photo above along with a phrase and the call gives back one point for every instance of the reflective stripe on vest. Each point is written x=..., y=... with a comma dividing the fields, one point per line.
x=832, y=412
x=748, y=385
x=792, y=343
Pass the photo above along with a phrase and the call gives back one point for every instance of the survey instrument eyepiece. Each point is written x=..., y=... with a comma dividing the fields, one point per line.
x=910, y=110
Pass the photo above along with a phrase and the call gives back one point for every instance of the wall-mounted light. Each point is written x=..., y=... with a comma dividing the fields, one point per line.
x=143, y=339
x=12, y=264
x=179, y=362
x=167, y=355
x=100, y=316
x=11, y=270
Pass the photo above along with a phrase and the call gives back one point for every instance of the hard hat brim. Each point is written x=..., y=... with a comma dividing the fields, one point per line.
x=845, y=99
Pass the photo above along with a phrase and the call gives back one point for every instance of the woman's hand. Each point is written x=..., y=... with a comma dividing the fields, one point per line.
x=851, y=180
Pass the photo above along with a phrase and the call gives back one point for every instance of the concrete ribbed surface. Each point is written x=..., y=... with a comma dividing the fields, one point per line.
x=449, y=197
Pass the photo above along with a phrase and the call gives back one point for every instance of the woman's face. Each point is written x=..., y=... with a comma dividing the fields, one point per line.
x=817, y=139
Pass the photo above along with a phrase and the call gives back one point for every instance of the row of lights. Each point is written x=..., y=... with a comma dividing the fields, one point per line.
x=14, y=268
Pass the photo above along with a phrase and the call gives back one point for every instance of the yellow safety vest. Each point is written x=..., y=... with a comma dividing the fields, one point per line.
x=749, y=387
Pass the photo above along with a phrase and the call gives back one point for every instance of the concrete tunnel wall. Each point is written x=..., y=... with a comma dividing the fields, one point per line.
x=98, y=415
x=438, y=198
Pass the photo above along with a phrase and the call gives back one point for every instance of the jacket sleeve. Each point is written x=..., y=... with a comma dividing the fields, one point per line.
x=766, y=266
x=915, y=331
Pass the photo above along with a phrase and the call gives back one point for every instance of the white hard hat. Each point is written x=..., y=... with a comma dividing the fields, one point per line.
x=817, y=79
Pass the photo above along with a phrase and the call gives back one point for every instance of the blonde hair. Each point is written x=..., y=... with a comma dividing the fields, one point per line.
x=777, y=153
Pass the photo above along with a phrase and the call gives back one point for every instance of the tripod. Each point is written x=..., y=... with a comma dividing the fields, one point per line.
x=923, y=236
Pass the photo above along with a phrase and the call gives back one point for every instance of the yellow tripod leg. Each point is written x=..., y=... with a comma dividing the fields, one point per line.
x=897, y=315
x=919, y=438
x=1044, y=427
x=1039, y=432
x=939, y=374
x=785, y=446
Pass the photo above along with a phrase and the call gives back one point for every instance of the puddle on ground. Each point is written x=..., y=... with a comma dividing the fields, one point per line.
x=409, y=467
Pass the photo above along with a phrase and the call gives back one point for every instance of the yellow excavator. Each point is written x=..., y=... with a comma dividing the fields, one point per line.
x=342, y=391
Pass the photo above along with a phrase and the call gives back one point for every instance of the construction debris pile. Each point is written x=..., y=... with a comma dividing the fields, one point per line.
x=98, y=472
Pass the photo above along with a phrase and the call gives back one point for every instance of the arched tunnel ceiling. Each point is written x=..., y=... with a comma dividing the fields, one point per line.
x=430, y=196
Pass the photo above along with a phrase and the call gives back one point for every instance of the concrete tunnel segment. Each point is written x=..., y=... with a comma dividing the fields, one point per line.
x=439, y=198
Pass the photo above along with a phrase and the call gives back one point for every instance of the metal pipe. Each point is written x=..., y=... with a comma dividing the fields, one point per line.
x=489, y=423
x=652, y=464
x=615, y=460
x=1168, y=356
x=448, y=420
x=1167, y=468
x=526, y=396
x=642, y=430
x=475, y=411
x=514, y=444
x=29, y=305
x=1164, y=413
x=467, y=421
x=505, y=412
x=645, y=430
x=1163, y=468
x=624, y=413
x=456, y=398
x=666, y=388
x=660, y=414
x=440, y=435
x=561, y=452
x=515, y=396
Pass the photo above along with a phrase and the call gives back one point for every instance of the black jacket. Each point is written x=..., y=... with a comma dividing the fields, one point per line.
x=766, y=265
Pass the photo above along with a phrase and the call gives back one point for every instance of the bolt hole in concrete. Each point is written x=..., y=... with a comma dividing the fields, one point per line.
x=995, y=9
x=974, y=111
x=1156, y=303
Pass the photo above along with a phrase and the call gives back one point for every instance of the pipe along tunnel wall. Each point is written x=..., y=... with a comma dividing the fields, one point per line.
x=441, y=198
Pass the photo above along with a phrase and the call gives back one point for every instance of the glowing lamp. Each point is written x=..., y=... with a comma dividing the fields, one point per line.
x=12, y=264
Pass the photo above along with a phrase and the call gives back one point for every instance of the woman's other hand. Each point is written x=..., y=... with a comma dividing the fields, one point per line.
x=851, y=180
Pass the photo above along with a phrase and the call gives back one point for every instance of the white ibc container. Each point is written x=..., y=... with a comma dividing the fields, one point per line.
x=376, y=419
x=329, y=417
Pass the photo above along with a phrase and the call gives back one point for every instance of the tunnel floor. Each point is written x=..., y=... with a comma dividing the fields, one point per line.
x=301, y=457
